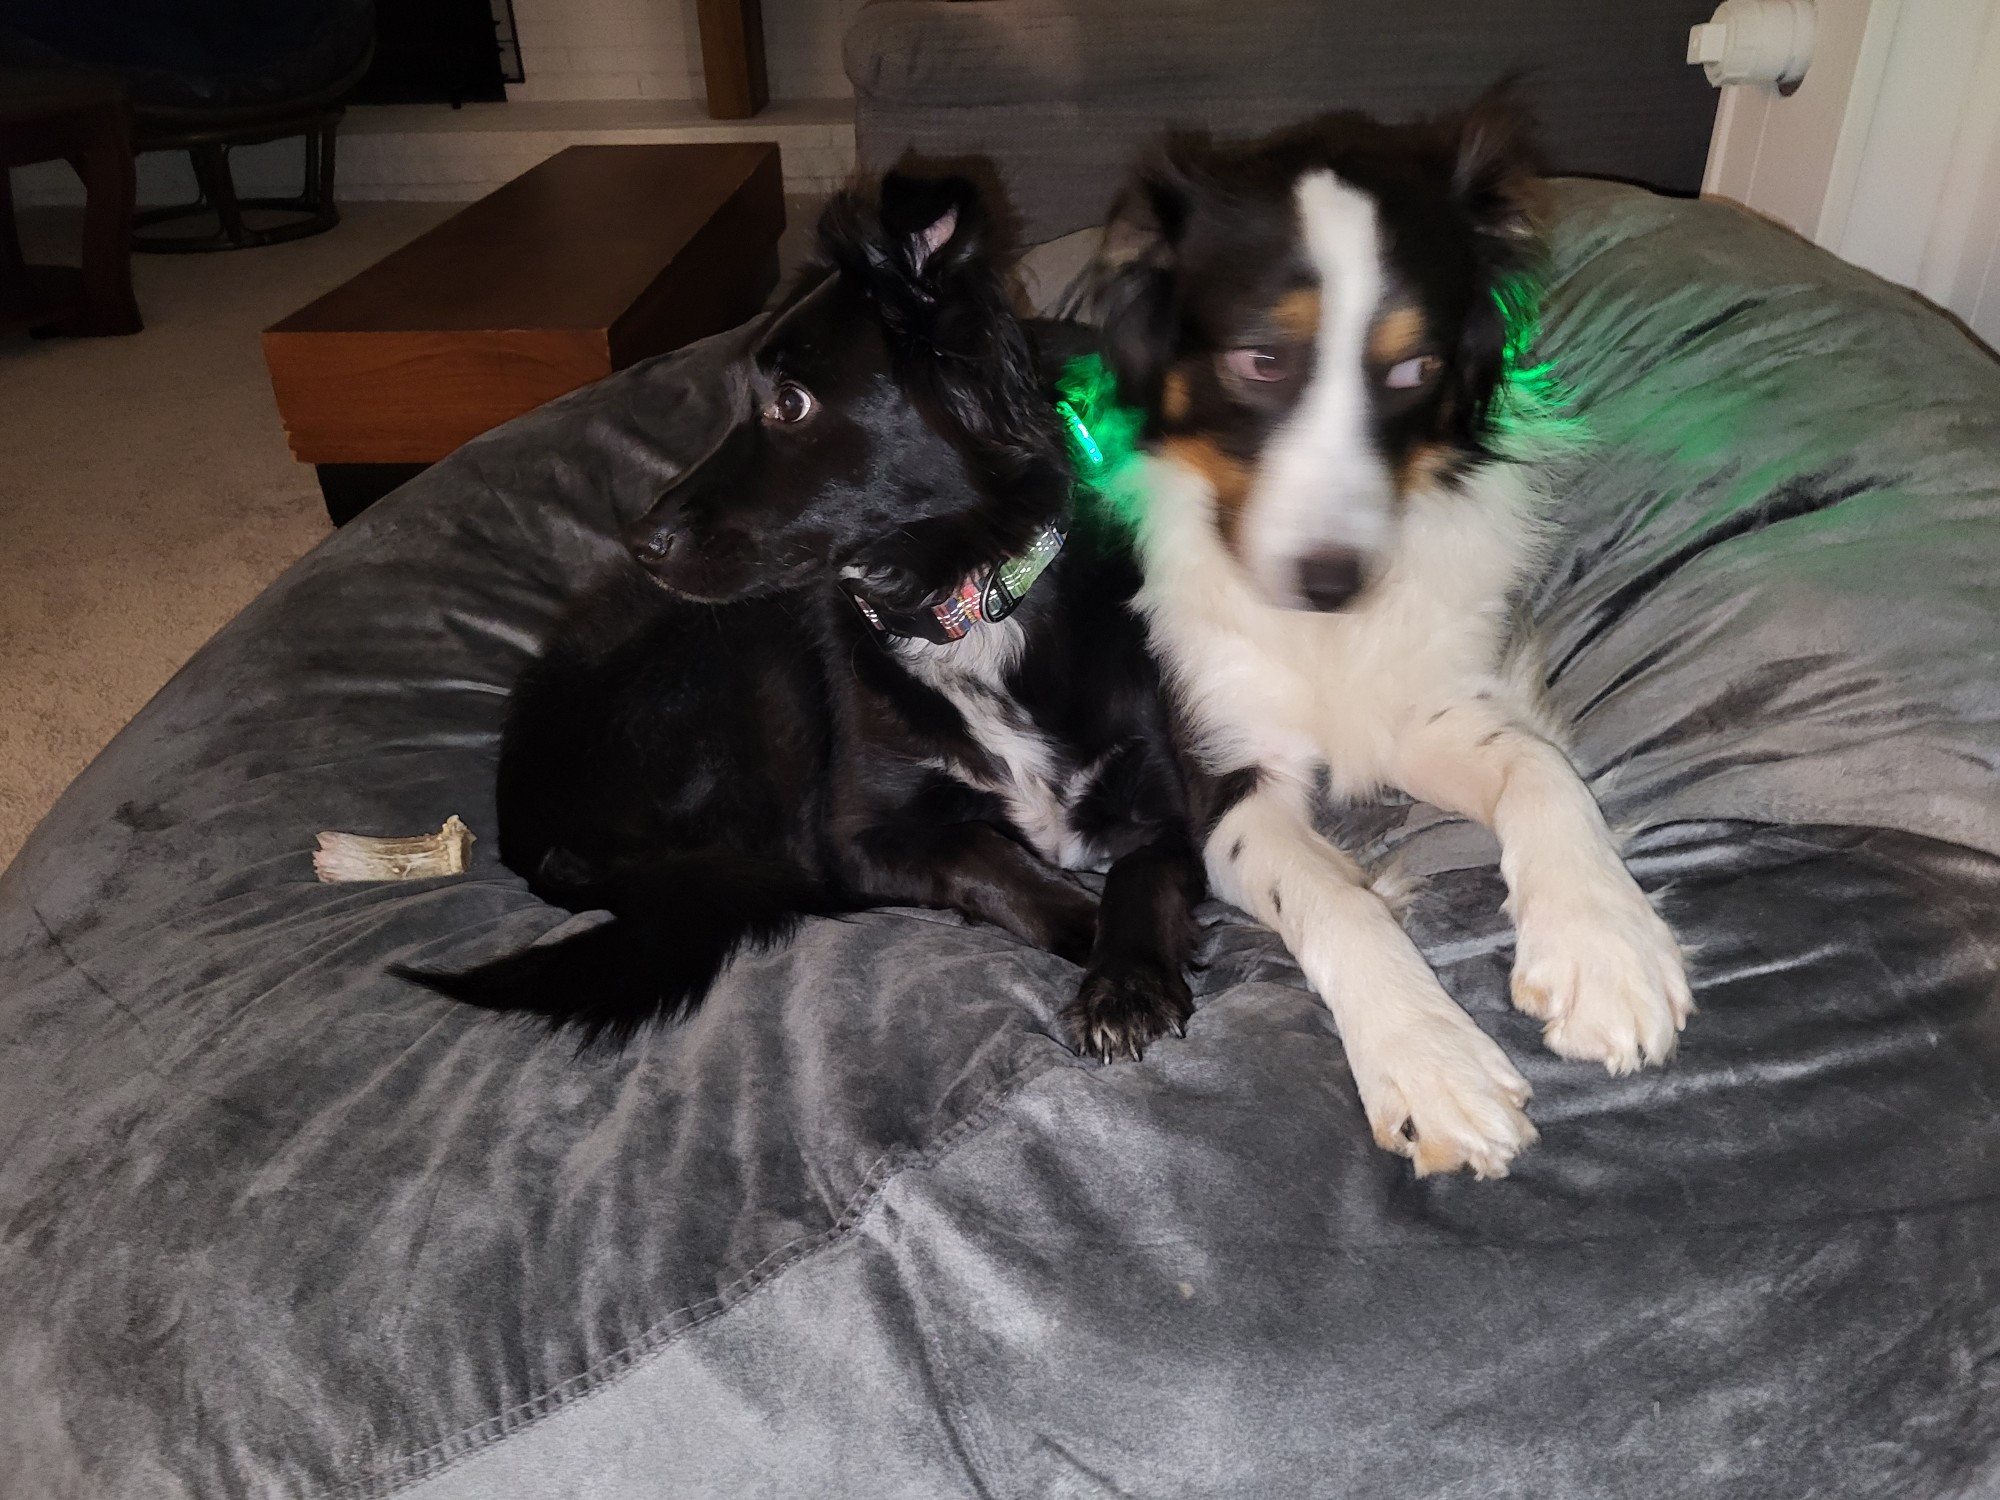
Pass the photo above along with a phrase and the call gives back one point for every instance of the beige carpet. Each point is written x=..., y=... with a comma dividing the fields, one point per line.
x=146, y=494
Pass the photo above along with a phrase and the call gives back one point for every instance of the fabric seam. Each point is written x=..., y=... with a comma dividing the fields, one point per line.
x=429, y=1462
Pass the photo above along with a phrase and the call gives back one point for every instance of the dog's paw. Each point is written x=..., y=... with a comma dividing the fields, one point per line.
x=1120, y=1008
x=1440, y=1091
x=1596, y=965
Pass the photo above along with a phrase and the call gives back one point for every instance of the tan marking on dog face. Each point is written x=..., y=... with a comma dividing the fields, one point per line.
x=1424, y=467
x=1397, y=335
x=1175, y=400
x=1297, y=312
x=1227, y=478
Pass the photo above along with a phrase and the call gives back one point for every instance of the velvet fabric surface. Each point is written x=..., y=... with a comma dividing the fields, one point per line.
x=275, y=1224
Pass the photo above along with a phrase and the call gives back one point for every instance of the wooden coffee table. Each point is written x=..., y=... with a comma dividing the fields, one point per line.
x=599, y=257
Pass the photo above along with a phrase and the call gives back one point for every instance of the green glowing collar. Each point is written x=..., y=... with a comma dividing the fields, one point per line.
x=1103, y=438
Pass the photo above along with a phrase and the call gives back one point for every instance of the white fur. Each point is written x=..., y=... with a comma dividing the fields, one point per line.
x=1413, y=687
x=1433, y=1085
x=1320, y=483
x=1037, y=788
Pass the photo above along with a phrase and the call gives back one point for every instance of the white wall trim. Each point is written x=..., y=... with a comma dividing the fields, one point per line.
x=1864, y=93
x=1965, y=235
x=1889, y=152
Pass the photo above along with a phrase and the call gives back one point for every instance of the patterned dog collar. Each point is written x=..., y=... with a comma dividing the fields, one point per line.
x=988, y=597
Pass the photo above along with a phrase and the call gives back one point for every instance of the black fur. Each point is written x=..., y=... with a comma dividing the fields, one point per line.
x=718, y=749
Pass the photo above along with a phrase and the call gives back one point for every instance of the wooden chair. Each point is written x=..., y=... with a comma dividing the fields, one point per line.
x=205, y=82
x=208, y=136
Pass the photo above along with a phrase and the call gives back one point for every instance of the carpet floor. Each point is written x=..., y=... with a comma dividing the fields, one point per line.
x=146, y=492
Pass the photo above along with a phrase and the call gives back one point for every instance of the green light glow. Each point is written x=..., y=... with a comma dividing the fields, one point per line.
x=1104, y=440
x=1533, y=407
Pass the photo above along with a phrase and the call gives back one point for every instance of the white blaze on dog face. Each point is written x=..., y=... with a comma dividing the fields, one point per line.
x=1322, y=491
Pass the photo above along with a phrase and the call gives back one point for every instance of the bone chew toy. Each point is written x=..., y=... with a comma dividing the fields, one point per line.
x=355, y=856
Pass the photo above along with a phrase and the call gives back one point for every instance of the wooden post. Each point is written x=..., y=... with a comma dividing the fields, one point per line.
x=732, y=57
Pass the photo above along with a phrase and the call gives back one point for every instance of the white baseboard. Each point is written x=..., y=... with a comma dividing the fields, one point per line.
x=433, y=153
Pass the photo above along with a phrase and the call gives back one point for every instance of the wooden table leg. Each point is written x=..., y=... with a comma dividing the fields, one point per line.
x=110, y=184
x=40, y=299
x=14, y=292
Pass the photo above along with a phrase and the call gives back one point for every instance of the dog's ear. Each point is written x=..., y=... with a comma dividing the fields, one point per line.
x=1496, y=182
x=937, y=224
x=1496, y=173
x=1137, y=277
x=964, y=357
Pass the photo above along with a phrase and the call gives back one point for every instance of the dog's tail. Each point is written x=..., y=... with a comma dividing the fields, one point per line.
x=675, y=923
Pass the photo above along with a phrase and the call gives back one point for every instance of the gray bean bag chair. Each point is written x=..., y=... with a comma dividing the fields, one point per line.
x=275, y=1224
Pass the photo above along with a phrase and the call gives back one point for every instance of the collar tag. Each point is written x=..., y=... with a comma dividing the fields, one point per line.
x=1009, y=583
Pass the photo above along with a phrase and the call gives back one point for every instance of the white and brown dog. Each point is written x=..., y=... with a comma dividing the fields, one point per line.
x=1340, y=502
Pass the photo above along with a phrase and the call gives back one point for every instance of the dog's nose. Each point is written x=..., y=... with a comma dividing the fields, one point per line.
x=658, y=538
x=1328, y=579
x=656, y=546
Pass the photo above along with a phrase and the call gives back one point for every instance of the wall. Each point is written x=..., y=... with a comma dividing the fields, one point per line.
x=597, y=71
x=802, y=47
x=651, y=49
x=607, y=49
x=1889, y=153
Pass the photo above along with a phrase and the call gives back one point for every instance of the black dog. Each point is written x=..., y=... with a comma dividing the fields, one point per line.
x=859, y=663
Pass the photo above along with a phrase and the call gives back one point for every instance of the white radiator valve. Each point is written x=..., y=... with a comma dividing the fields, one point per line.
x=1756, y=41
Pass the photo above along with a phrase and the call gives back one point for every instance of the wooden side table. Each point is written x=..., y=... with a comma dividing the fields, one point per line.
x=599, y=257
x=82, y=119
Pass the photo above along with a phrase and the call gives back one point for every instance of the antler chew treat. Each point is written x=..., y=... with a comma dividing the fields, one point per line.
x=356, y=856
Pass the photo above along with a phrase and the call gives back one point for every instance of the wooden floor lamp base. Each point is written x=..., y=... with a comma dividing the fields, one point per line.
x=732, y=57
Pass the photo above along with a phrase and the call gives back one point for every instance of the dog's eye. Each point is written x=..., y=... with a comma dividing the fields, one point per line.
x=1260, y=362
x=1412, y=373
x=789, y=403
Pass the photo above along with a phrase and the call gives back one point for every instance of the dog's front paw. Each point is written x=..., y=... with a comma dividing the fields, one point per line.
x=1120, y=1008
x=1440, y=1091
x=1596, y=965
